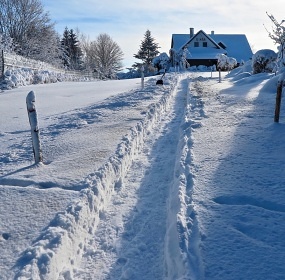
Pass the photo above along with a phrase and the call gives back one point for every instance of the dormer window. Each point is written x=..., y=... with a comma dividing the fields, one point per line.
x=222, y=45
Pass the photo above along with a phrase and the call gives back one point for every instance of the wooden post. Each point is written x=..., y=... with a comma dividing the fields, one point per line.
x=33, y=119
x=142, y=77
x=278, y=101
x=2, y=65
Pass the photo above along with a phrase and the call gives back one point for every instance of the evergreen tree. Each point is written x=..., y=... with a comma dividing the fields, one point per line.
x=65, y=48
x=148, y=50
x=72, y=53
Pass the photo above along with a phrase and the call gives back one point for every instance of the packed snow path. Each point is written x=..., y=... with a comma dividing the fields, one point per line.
x=129, y=241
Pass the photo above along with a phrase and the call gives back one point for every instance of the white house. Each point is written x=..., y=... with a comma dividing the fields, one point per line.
x=203, y=48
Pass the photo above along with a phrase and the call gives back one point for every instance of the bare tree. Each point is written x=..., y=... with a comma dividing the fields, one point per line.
x=30, y=28
x=278, y=37
x=104, y=56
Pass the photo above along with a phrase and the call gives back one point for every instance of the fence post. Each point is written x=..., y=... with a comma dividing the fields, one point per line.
x=2, y=65
x=278, y=101
x=142, y=77
x=33, y=119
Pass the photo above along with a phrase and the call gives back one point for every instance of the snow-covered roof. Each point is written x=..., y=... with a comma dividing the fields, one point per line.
x=178, y=40
x=237, y=46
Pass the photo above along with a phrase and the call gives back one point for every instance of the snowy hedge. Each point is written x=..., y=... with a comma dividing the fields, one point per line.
x=25, y=76
x=22, y=71
x=264, y=61
x=226, y=63
x=161, y=62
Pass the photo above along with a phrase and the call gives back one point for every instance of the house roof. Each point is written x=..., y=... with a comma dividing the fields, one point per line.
x=237, y=45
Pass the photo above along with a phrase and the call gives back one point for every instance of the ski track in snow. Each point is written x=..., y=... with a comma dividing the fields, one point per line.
x=129, y=241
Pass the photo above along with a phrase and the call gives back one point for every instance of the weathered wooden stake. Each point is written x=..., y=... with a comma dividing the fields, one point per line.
x=33, y=119
x=2, y=65
x=142, y=77
x=278, y=101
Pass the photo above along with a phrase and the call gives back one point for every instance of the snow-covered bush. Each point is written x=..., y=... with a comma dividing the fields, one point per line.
x=161, y=62
x=226, y=63
x=264, y=61
x=179, y=58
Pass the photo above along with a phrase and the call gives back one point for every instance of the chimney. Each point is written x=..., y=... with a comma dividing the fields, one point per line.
x=212, y=32
x=191, y=32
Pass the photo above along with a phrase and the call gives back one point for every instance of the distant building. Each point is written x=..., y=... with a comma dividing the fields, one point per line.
x=203, y=48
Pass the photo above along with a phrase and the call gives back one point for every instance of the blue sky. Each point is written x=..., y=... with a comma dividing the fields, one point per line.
x=126, y=21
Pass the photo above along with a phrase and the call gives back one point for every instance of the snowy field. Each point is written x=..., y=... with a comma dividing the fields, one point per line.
x=180, y=181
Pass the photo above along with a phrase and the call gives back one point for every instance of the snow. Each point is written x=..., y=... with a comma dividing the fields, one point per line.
x=179, y=181
x=264, y=61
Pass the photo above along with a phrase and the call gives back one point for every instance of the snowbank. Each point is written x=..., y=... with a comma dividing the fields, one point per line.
x=22, y=71
x=26, y=76
x=64, y=239
x=264, y=61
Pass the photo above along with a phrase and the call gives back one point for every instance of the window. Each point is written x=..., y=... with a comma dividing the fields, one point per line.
x=205, y=44
x=196, y=44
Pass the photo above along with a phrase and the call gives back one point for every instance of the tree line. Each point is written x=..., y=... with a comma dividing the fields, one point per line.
x=27, y=30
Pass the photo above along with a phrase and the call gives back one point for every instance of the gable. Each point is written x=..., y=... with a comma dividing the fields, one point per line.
x=201, y=39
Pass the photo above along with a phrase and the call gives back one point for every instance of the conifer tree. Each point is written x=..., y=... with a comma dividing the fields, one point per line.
x=148, y=50
x=75, y=51
x=72, y=53
x=65, y=48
